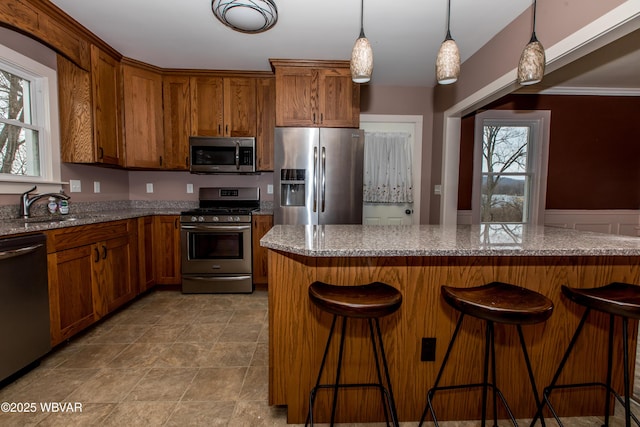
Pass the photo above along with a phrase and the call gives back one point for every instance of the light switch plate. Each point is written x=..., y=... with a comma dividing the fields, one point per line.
x=189, y=188
x=75, y=186
x=96, y=186
x=269, y=188
x=149, y=187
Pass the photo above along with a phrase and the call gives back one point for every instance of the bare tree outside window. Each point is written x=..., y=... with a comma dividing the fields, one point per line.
x=505, y=177
x=19, y=153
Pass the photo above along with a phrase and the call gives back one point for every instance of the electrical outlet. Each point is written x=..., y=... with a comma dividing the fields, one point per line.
x=189, y=188
x=96, y=186
x=269, y=188
x=149, y=187
x=75, y=186
x=428, y=353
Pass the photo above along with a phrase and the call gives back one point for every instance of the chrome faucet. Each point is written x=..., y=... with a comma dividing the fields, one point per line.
x=26, y=201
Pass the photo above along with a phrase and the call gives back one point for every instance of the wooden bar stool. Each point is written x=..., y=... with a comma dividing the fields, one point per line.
x=615, y=299
x=495, y=302
x=370, y=302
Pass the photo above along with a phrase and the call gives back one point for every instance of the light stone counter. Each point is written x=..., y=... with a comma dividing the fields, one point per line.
x=435, y=240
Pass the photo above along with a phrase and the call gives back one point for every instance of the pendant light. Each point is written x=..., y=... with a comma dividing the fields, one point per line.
x=246, y=16
x=532, y=60
x=448, y=59
x=361, y=55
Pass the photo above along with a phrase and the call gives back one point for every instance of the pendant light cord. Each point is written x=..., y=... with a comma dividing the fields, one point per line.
x=362, y=36
x=533, y=33
x=448, y=36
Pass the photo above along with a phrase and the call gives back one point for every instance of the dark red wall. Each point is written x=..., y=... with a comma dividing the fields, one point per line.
x=594, y=150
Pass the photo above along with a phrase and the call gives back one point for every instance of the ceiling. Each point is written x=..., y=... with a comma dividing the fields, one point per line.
x=405, y=35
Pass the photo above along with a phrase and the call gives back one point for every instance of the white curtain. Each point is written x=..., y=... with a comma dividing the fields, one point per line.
x=387, y=167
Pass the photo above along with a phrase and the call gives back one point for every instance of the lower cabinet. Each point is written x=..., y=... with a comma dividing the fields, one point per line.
x=261, y=224
x=92, y=271
x=166, y=249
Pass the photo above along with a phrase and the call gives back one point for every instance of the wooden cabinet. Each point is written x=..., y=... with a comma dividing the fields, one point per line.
x=176, y=101
x=265, y=125
x=91, y=273
x=261, y=224
x=223, y=106
x=143, y=120
x=166, y=249
x=107, y=121
x=316, y=93
x=146, y=272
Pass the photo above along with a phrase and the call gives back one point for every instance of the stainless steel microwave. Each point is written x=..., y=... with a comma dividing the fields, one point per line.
x=209, y=154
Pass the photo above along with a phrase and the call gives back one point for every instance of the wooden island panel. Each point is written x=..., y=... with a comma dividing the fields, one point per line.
x=298, y=331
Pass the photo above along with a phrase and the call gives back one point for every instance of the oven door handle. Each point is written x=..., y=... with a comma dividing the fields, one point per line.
x=219, y=278
x=216, y=227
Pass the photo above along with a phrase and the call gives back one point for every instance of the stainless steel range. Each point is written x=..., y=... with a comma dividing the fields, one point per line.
x=216, y=241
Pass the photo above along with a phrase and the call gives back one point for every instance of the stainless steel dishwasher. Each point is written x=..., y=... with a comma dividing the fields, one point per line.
x=24, y=303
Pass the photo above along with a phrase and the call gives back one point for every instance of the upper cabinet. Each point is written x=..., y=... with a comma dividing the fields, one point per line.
x=90, y=121
x=223, y=106
x=143, y=131
x=316, y=93
x=176, y=101
x=266, y=110
x=107, y=122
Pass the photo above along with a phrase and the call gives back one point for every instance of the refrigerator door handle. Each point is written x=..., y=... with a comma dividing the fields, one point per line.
x=315, y=178
x=324, y=181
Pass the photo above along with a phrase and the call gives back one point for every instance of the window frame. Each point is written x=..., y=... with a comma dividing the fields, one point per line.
x=45, y=117
x=537, y=158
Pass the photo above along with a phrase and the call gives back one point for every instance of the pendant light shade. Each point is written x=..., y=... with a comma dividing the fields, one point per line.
x=246, y=16
x=532, y=61
x=361, y=55
x=448, y=59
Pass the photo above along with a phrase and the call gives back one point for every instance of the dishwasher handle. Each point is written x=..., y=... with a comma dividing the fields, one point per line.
x=19, y=252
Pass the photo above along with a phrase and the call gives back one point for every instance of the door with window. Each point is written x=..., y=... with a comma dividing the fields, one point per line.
x=510, y=166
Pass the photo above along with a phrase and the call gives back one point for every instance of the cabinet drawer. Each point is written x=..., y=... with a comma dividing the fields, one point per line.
x=72, y=237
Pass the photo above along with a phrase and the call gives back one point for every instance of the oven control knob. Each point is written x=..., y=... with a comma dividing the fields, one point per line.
x=237, y=218
x=230, y=219
x=200, y=219
x=194, y=218
x=215, y=219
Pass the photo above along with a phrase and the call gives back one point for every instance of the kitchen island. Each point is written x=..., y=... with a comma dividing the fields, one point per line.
x=417, y=260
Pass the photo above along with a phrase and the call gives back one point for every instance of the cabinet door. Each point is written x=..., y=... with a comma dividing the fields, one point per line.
x=239, y=106
x=266, y=111
x=176, y=100
x=114, y=274
x=146, y=273
x=74, y=98
x=261, y=224
x=338, y=98
x=71, y=291
x=143, y=134
x=166, y=251
x=296, y=96
x=107, y=124
x=207, y=109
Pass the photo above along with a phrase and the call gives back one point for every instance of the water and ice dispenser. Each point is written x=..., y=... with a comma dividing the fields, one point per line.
x=292, y=187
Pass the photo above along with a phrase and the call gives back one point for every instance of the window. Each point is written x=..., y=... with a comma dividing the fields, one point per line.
x=510, y=166
x=29, y=135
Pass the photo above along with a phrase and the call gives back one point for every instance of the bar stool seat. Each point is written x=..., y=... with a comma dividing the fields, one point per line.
x=616, y=299
x=495, y=302
x=371, y=302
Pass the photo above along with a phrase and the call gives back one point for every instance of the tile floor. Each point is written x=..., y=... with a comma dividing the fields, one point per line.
x=167, y=359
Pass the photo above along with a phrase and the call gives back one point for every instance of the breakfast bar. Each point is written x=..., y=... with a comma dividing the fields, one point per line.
x=418, y=260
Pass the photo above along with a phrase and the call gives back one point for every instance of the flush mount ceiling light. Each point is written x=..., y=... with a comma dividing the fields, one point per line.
x=532, y=60
x=361, y=55
x=246, y=16
x=448, y=59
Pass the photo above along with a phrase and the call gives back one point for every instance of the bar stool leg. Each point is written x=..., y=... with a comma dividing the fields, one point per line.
x=390, y=400
x=338, y=370
x=530, y=371
x=627, y=392
x=312, y=394
x=432, y=391
x=607, y=405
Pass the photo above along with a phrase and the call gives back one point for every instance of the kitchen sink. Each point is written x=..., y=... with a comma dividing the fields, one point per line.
x=49, y=219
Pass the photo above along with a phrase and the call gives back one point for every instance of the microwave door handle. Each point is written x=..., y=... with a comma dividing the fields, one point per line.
x=315, y=178
x=237, y=155
x=324, y=180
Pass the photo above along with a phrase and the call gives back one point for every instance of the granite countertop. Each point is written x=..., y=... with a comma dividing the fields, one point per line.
x=50, y=222
x=436, y=240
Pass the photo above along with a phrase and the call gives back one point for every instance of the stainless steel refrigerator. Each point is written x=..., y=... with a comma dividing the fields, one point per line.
x=318, y=176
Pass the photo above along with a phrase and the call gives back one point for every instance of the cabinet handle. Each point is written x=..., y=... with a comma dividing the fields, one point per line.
x=321, y=118
x=175, y=223
x=226, y=129
x=186, y=162
x=104, y=252
x=160, y=160
x=101, y=151
x=219, y=129
x=314, y=117
x=97, y=255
